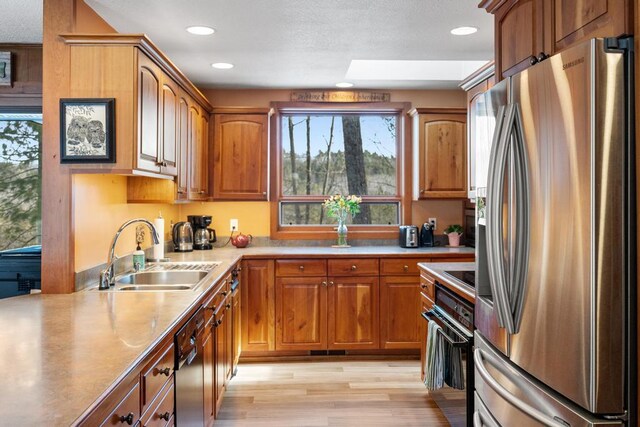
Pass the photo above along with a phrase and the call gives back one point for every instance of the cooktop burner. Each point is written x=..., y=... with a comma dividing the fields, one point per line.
x=468, y=277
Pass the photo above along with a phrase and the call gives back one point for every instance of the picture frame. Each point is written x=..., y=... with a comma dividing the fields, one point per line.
x=87, y=130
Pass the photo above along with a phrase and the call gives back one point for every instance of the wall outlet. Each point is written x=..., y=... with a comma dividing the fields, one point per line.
x=233, y=225
x=434, y=221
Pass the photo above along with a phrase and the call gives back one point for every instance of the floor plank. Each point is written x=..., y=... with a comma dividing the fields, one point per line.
x=329, y=394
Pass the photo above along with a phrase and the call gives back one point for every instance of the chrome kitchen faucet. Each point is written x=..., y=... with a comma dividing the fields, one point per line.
x=107, y=276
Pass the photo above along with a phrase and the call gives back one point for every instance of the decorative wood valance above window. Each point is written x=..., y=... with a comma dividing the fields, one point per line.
x=339, y=96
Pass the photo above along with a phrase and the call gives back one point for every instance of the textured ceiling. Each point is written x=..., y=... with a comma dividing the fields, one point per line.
x=302, y=43
x=20, y=21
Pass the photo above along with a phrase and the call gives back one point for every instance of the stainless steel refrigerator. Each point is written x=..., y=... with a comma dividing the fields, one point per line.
x=555, y=271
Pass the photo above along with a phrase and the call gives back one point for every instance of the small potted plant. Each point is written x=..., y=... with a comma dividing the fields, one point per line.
x=454, y=232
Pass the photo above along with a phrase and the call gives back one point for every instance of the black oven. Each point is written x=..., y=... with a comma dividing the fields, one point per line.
x=454, y=315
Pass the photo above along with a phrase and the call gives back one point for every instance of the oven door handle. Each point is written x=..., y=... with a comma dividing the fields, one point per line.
x=465, y=340
x=479, y=358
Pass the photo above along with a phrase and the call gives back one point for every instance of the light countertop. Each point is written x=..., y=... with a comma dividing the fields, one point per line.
x=438, y=269
x=62, y=353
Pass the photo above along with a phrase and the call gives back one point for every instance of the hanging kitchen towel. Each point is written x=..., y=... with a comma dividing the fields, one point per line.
x=454, y=369
x=434, y=369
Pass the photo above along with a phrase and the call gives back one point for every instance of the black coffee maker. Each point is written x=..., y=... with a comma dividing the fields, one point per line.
x=203, y=236
x=426, y=235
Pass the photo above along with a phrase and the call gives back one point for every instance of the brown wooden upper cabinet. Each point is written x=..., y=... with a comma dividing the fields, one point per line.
x=240, y=156
x=182, y=180
x=442, y=153
x=150, y=96
x=157, y=119
x=198, y=153
x=527, y=31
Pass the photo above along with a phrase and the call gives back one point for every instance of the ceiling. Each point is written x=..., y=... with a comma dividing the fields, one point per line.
x=287, y=43
x=21, y=21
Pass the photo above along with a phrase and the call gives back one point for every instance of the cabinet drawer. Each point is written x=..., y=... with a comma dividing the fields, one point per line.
x=354, y=267
x=301, y=267
x=128, y=410
x=400, y=266
x=157, y=373
x=427, y=303
x=163, y=408
x=214, y=303
x=427, y=286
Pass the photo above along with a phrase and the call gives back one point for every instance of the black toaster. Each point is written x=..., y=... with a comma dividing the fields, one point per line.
x=408, y=236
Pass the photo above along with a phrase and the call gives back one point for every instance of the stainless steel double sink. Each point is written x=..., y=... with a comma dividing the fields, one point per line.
x=164, y=277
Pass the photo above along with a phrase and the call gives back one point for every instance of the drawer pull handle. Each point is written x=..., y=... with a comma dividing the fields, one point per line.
x=331, y=283
x=127, y=419
x=165, y=416
x=228, y=306
x=165, y=371
x=224, y=293
x=353, y=268
x=301, y=268
x=423, y=286
x=324, y=283
x=405, y=268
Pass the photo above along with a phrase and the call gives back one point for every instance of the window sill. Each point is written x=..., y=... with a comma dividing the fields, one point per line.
x=377, y=233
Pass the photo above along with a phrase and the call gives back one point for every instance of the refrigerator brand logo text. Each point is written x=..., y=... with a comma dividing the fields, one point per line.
x=573, y=63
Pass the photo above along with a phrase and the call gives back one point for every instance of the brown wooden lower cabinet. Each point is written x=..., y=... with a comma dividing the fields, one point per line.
x=208, y=359
x=258, y=306
x=426, y=304
x=353, y=313
x=237, y=329
x=301, y=313
x=399, y=312
x=221, y=355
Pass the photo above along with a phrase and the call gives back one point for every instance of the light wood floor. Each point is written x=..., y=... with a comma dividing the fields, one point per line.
x=335, y=393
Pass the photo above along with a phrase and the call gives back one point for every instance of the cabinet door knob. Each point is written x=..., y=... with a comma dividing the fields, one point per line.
x=354, y=268
x=542, y=56
x=181, y=191
x=324, y=283
x=405, y=268
x=423, y=286
x=301, y=268
x=202, y=191
x=127, y=418
x=228, y=306
x=264, y=193
x=331, y=283
x=165, y=371
x=533, y=60
x=224, y=293
x=165, y=416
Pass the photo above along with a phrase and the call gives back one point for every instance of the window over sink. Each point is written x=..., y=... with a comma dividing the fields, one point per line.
x=324, y=149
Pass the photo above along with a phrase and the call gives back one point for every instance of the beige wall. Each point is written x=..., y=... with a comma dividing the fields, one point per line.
x=100, y=201
x=99, y=208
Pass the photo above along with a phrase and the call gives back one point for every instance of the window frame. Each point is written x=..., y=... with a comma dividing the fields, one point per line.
x=356, y=231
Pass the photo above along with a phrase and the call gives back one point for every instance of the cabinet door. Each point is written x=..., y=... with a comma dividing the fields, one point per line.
x=149, y=75
x=196, y=156
x=208, y=359
x=183, y=149
x=228, y=361
x=240, y=156
x=519, y=37
x=237, y=331
x=258, y=306
x=301, y=313
x=425, y=305
x=443, y=153
x=169, y=121
x=578, y=20
x=353, y=313
x=400, y=312
x=221, y=357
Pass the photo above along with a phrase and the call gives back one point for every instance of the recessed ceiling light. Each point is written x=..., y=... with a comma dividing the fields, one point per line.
x=344, y=84
x=222, y=65
x=200, y=30
x=464, y=31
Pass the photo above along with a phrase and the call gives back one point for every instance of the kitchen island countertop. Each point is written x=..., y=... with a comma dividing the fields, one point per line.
x=63, y=353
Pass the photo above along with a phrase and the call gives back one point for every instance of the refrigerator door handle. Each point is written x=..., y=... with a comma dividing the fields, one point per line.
x=495, y=216
x=479, y=357
x=521, y=255
x=480, y=421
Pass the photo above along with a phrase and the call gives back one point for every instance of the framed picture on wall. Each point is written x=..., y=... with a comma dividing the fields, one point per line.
x=87, y=130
